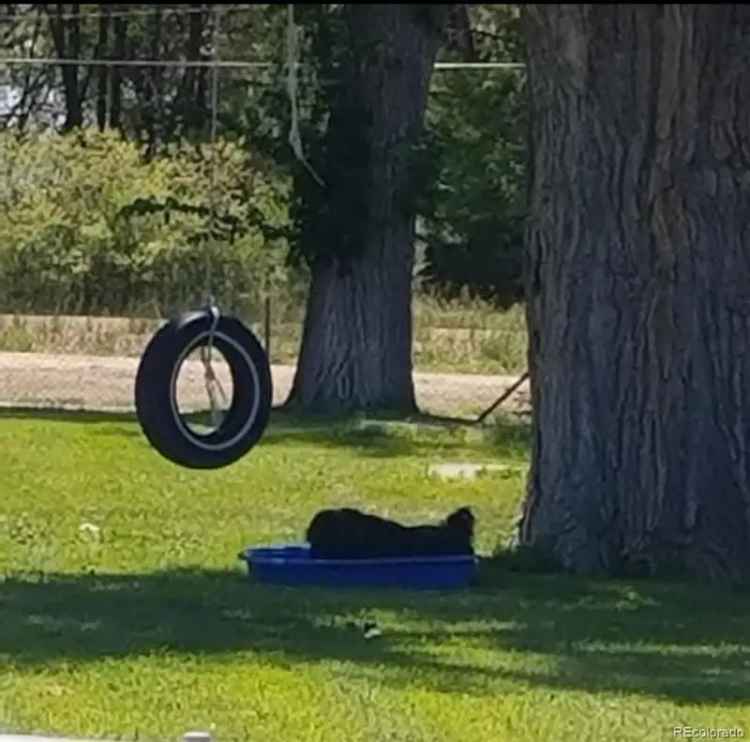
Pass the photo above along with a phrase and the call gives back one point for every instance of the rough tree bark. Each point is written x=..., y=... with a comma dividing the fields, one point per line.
x=357, y=338
x=638, y=288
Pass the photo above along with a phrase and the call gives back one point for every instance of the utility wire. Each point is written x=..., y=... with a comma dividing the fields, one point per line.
x=230, y=64
x=132, y=62
x=181, y=10
x=132, y=13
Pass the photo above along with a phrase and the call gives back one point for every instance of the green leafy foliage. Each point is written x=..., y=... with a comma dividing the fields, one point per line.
x=264, y=111
x=469, y=169
x=88, y=224
x=473, y=205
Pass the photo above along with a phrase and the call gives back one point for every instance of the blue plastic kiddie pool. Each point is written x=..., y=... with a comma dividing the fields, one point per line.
x=293, y=565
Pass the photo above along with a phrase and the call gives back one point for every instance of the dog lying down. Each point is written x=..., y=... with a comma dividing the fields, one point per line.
x=352, y=534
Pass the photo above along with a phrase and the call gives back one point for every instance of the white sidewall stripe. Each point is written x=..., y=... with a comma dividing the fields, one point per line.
x=195, y=440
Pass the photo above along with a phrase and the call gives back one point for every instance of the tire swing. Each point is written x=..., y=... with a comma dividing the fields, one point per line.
x=239, y=428
x=235, y=431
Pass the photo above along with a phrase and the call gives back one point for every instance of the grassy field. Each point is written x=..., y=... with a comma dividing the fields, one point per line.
x=124, y=612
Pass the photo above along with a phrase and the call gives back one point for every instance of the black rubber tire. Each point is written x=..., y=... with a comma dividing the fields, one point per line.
x=155, y=394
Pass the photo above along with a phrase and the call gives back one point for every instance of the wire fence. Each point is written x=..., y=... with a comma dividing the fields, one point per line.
x=60, y=249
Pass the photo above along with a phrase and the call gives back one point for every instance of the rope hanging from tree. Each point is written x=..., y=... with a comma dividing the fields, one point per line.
x=214, y=389
x=292, y=61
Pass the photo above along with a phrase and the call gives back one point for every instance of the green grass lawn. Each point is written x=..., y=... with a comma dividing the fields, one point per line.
x=148, y=626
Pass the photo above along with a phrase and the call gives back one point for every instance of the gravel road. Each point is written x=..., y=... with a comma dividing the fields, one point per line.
x=106, y=383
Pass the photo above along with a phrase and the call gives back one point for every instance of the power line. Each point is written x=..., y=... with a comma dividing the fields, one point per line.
x=131, y=62
x=133, y=13
x=182, y=10
x=479, y=65
x=230, y=64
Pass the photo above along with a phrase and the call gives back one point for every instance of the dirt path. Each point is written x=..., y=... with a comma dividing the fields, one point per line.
x=106, y=383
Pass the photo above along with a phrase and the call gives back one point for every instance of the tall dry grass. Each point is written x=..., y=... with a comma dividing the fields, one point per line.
x=464, y=335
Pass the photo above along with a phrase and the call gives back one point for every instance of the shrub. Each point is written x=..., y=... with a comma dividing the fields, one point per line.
x=89, y=225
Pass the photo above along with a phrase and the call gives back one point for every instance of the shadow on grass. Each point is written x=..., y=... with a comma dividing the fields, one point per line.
x=380, y=436
x=78, y=417
x=109, y=423
x=671, y=641
x=387, y=436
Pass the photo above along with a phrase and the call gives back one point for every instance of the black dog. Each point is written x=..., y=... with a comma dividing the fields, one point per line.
x=351, y=534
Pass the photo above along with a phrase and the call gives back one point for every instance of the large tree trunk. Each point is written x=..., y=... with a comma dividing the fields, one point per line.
x=638, y=288
x=357, y=340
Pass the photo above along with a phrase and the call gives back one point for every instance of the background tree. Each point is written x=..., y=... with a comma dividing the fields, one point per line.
x=155, y=105
x=637, y=288
x=472, y=202
x=467, y=186
x=357, y=338
x=472, y=192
